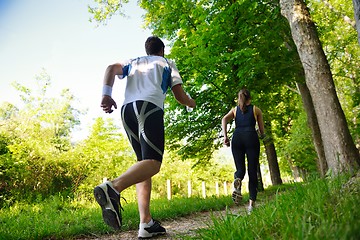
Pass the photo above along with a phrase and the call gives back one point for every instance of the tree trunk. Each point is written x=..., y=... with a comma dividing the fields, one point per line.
x=314, y=126
x=296, y=173
x=273, y=163
x=260, y=181
x=340, y=151
x=356, y=4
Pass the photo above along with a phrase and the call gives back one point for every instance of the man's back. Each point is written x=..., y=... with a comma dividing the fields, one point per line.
x=148, y=79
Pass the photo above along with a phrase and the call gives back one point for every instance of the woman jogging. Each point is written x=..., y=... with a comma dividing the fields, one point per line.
x=244, y=142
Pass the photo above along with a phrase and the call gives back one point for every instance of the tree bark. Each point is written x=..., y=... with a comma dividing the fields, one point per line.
x=273, y=163
x=260, y=181
x=356, y=4
x=314, y=126
x=340, y=151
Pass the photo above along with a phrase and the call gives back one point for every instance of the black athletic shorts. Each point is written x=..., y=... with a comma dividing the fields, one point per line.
x=144, y=125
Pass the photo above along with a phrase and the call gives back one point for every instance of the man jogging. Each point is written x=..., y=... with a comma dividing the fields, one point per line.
x=148, y=79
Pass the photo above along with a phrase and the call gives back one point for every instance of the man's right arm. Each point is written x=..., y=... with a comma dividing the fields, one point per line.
x=111, y=71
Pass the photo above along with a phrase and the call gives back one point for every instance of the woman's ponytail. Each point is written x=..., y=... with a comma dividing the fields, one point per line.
x=243, y=97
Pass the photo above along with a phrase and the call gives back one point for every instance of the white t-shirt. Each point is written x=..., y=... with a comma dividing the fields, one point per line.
x=148, y=79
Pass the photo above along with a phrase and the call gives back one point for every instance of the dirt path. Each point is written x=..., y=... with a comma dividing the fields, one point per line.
x=187, y=226
x=183, y=226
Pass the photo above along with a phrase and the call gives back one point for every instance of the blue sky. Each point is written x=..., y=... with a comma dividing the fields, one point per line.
x=56, y=35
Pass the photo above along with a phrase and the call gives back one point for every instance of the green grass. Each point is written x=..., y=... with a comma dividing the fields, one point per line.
x=321, y=209
x=58, y=218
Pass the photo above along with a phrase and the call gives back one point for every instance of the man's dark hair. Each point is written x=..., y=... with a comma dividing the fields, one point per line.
x=153, y=45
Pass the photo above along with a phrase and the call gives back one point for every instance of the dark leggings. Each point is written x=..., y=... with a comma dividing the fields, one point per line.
x=246, y=143
x=144, y=125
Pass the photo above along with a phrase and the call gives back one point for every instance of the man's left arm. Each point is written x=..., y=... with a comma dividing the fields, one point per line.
x=182, y=97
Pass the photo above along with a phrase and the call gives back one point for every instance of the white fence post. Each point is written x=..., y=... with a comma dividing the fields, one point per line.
x=225, y=188
x=168, y=183
x=217, y=188
x=189, y=189
x=204, y=189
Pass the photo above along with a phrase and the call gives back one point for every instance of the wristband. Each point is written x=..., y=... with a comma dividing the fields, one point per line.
x=107, y=90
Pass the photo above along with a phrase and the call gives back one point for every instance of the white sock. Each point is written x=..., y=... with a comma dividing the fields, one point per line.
x=149, y=224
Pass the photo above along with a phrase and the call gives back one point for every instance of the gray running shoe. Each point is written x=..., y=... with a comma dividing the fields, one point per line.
x=109, y=201
x=146, y=231
x=250, y=209
x=236, y=195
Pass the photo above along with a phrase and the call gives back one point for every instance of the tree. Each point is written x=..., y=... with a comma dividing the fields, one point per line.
x=36, y=133
x=337, y=33
x=356, y=4
x=105, y=9
x=314, y=126
x=220, y=47
x=340, y=151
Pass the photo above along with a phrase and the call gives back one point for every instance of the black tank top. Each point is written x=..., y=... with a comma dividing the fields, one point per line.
x=245, y=121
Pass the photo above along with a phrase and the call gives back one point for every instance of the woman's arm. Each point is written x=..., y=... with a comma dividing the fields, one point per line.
x=260, y=121
x=229, y=116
